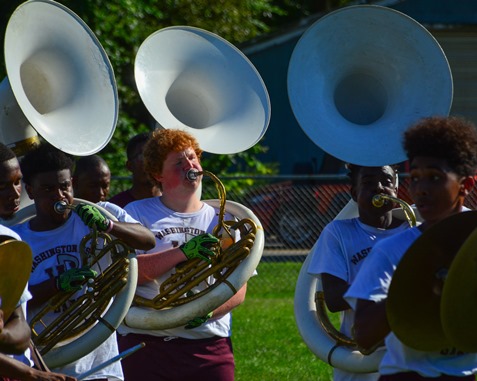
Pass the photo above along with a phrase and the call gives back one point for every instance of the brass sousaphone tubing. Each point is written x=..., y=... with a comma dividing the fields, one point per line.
x=380, y=199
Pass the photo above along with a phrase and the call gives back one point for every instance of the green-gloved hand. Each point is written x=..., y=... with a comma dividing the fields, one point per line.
x=91, y=216
x=200, y=246
x=72, y=280
x=198, y=321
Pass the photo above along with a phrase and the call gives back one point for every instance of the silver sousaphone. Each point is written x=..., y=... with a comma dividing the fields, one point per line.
x=357, y=78
x=194, y=80
x=61, y=87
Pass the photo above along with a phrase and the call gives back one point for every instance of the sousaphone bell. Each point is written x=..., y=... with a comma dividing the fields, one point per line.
x=62, y=82
x=192, y=79
x=360, y=76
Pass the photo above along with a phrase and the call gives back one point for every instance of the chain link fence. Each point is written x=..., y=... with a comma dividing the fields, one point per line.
x=293, y=211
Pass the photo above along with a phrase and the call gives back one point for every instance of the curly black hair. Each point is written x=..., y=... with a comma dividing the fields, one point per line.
x=451, y=138
x=44, y=158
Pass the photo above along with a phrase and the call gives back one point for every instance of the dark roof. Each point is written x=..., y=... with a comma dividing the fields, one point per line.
x=460, y=12
x=431, y=13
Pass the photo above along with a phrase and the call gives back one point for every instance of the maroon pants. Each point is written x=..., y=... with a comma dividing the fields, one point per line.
x=412, y=376
x=176, y=359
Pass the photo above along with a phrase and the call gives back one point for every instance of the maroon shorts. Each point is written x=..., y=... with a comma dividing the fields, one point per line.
x=176, y=359
x=412, y=376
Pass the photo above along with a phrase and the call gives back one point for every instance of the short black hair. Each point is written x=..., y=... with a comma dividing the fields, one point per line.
x=136, y=140
x=452, y=138
x=44, y=158
x=6, y=153
x=84, y=163
x=354, y=169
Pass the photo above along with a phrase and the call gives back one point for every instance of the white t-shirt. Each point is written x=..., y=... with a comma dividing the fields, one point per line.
x=55, y=251
x=172, y=229
x=372, y=283
x=341, y=249
x=118, y=212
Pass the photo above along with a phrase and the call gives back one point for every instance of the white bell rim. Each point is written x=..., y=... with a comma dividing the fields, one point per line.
x=366, y=45
x=61, y=77
x=194, y=80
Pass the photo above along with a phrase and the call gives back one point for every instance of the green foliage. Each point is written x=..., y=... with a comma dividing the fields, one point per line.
x=242, y=165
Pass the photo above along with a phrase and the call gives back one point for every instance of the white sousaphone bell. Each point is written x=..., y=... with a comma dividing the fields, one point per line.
x=359, y=76
x=357, y=79
x=194, y=80
x=61, y=86
x=60, y=82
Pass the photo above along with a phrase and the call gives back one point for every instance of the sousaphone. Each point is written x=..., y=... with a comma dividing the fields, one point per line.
x=357, y=79
x=61, y=87
x=194, y=80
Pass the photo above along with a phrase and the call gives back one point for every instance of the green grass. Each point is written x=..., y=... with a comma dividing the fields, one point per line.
x=267, y=344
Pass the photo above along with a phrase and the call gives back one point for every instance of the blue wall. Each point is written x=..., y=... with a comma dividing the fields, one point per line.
x=287, y=142
x=440, y=11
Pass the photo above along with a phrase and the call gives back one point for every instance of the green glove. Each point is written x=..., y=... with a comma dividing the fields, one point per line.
x=91, y=216
x=198, y=321
x=73, y=279
x=200, y=246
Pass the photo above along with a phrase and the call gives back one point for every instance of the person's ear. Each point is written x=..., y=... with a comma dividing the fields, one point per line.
x=156, y=177
x=354, y=193
x=129, y=166
x=29, y=191
x=467, y=184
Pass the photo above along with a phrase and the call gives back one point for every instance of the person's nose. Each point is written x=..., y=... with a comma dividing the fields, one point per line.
x=379, y=187
x=15, y=191
x=104, y=194
x=420, y=188
x=60, y=194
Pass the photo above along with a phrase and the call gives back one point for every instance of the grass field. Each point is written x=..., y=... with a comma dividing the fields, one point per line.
x=267, y=344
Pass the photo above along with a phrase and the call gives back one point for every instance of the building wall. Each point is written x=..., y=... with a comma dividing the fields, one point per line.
x=460, y=47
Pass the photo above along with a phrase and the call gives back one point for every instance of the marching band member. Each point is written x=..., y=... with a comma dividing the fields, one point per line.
x=91, y=178
x=443, y=160
x=344, y=244
x=142, y=185
x=54, y=239
x=19, y=366
x=91, y=181
x=181, y=222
